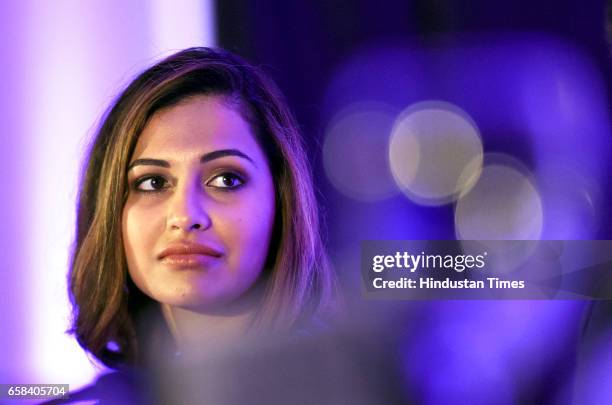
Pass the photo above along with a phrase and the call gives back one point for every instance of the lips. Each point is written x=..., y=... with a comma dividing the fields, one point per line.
x=188, y=254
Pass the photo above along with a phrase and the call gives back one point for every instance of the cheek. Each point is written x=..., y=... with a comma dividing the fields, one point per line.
x=139, y=230
x=246, y=231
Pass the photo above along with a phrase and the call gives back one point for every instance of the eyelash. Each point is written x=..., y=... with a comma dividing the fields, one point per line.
x=142, y=180
x=234, y=176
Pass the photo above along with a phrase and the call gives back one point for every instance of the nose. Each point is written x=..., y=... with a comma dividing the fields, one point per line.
x=186, y=211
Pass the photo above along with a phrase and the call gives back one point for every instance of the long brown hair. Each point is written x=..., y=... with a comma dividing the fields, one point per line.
x=300, y=283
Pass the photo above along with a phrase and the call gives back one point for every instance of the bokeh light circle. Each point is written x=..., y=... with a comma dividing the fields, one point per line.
x=503, y=205
x=435, y=152
x=355, y=152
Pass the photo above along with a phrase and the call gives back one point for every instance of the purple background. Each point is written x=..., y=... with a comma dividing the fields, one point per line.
x=533, y=77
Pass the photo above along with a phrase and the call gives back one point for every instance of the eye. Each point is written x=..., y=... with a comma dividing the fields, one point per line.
x=151, y=183
x=226, y=181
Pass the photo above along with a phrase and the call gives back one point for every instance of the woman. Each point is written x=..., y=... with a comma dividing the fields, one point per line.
x=197, y=221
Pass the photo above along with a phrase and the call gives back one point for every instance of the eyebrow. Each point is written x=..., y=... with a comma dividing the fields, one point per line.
x=207, y=157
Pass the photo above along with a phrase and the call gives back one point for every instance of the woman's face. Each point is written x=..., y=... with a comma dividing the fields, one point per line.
x=198, y=219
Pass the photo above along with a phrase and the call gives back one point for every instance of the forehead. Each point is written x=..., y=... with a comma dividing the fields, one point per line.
x=196, y=125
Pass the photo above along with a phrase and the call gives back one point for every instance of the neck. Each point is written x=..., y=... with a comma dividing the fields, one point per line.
x=199, y=331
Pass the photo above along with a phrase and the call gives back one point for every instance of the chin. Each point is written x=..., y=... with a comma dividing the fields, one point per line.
x=196, y=301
